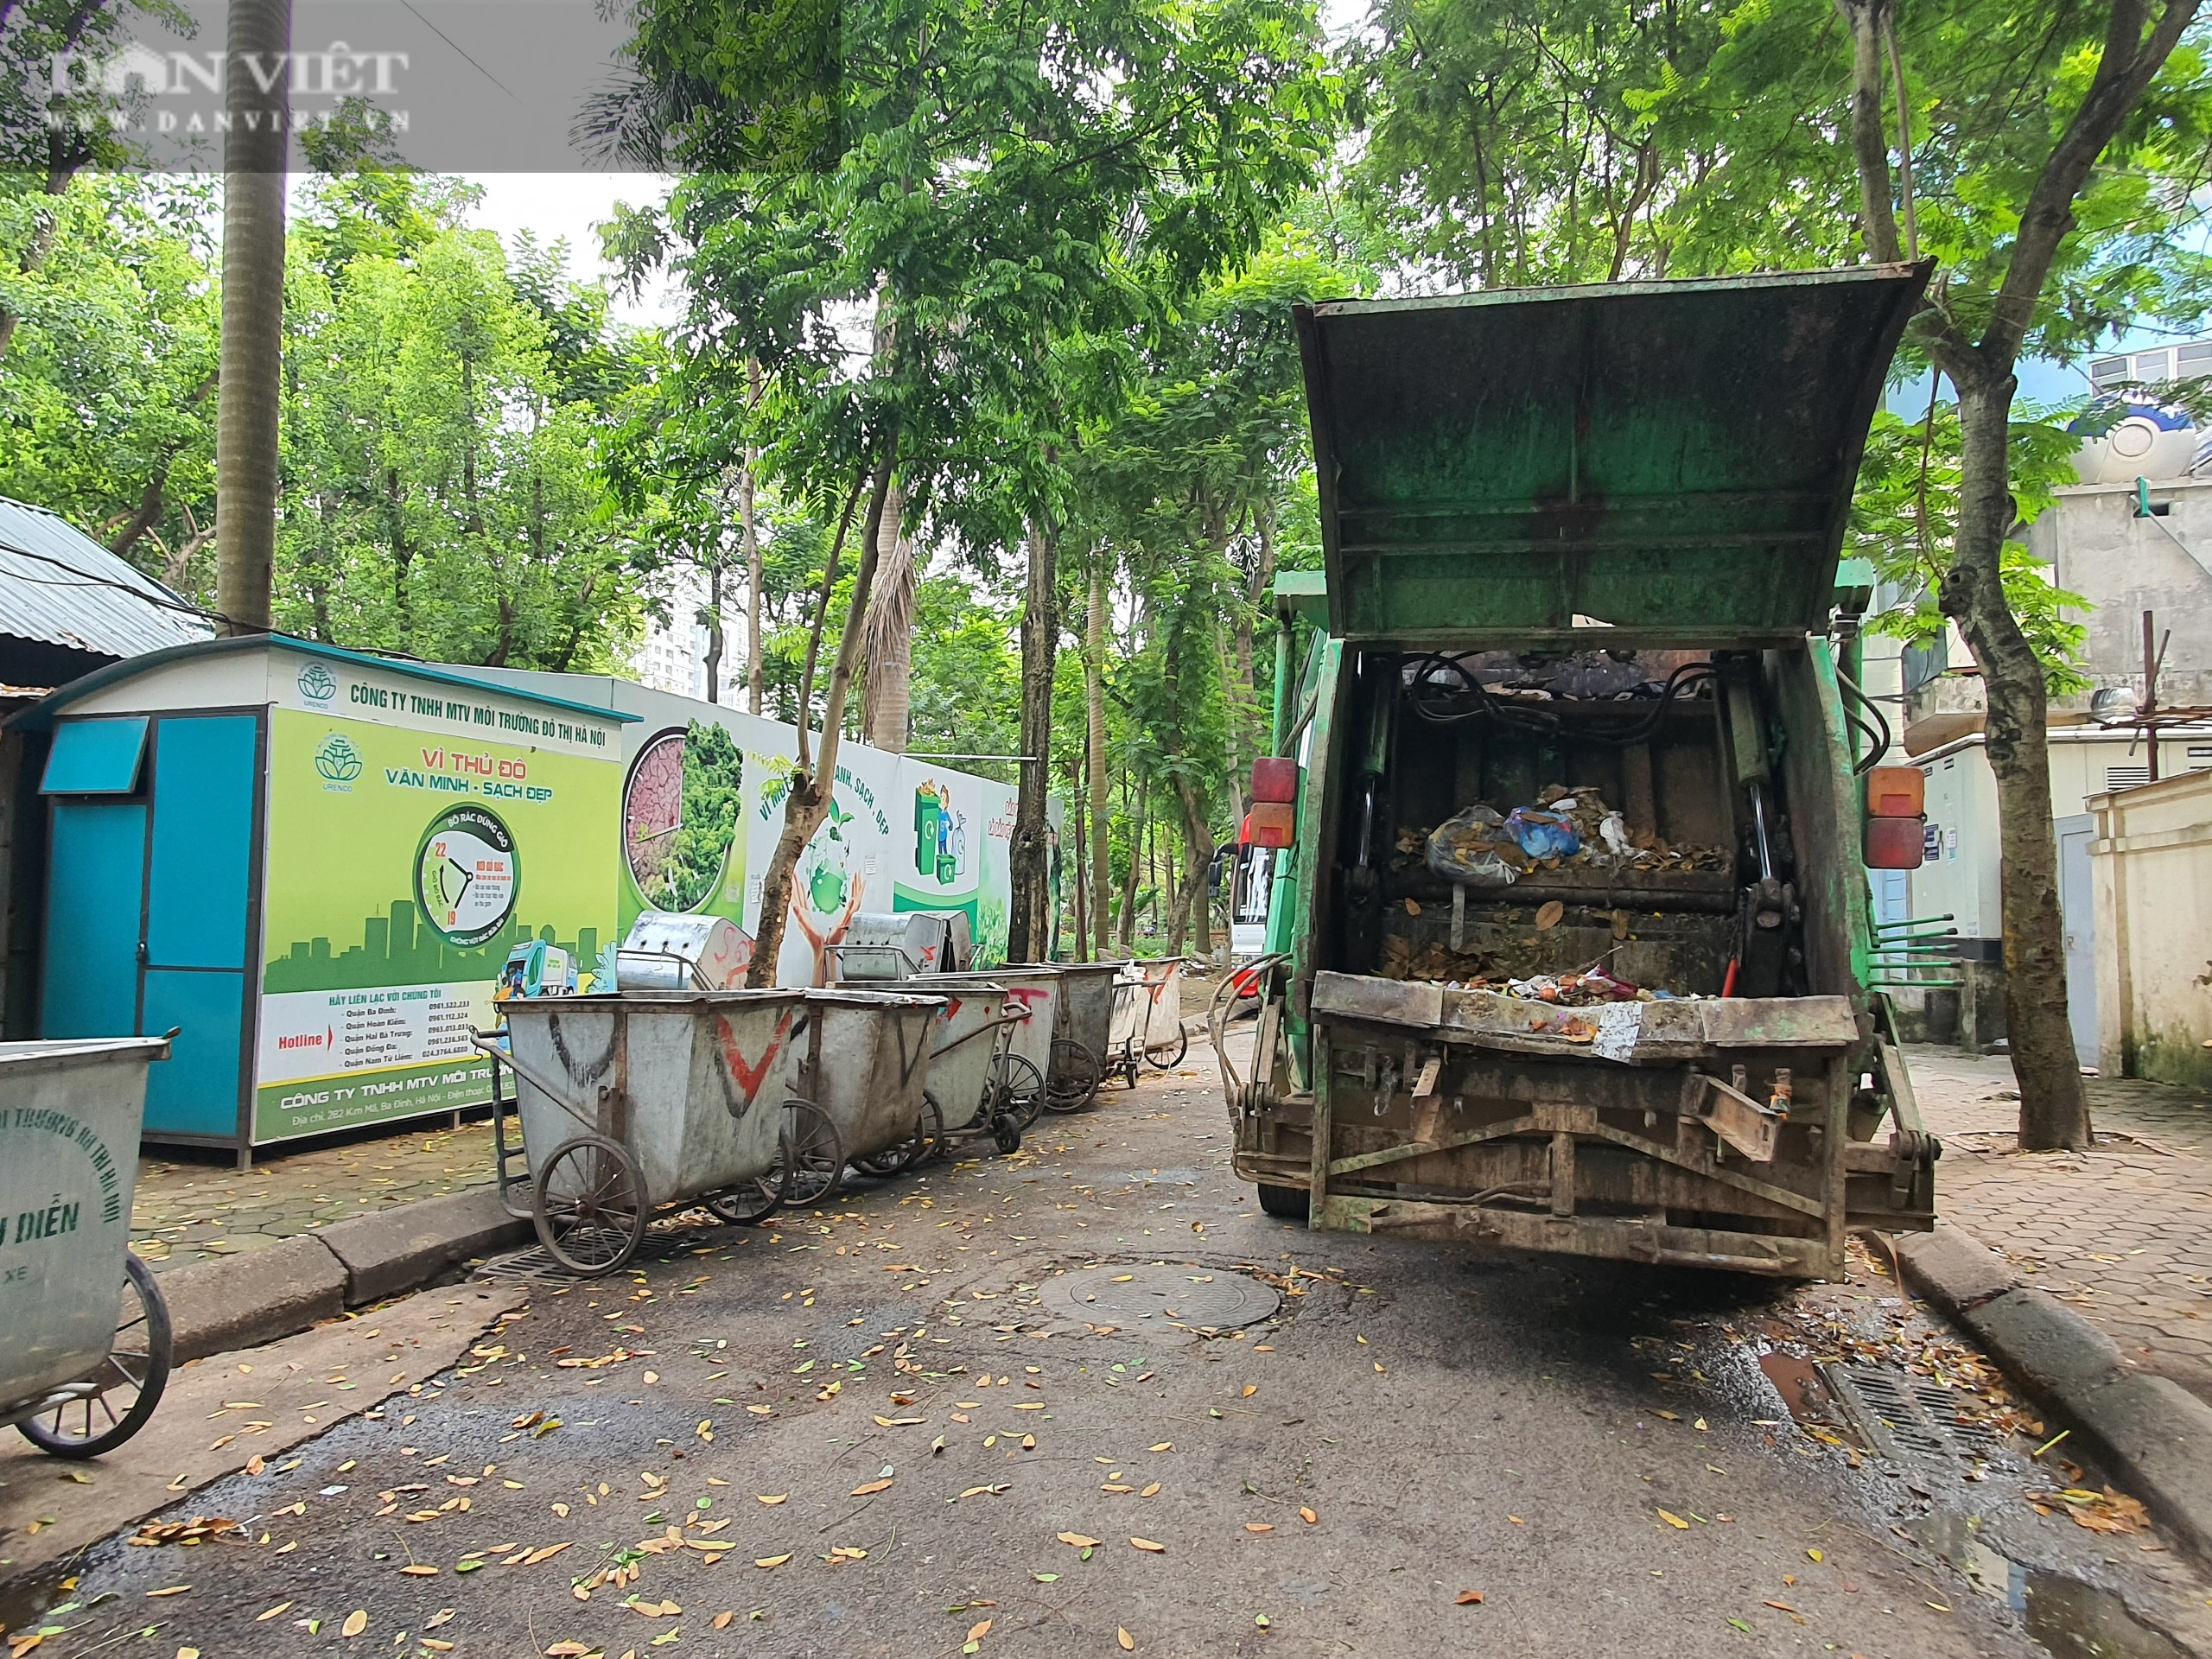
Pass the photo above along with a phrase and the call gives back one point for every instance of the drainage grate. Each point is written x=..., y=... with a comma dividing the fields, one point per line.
x=1904, y=1418
x=535, y=1266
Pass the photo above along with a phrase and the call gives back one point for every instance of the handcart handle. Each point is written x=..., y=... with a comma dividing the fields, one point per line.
x=989, y=1027
x=528, y=1074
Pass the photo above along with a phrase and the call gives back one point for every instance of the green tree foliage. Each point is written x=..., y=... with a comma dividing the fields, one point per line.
x=1905, y=517
x=107, y=406
x=445, y=401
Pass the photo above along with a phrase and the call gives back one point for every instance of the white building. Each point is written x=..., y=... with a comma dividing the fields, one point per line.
x=674, y=655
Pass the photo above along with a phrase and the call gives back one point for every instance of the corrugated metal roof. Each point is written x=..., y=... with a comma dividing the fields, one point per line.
x=59, y=586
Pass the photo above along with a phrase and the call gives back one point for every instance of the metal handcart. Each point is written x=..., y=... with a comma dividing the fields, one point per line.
x=1147, y=1023
x=79, y=1376
x=866, y=1066
x=977, y=1086
x=1082, y=1019
x=631, y=1102
x=1036, y=991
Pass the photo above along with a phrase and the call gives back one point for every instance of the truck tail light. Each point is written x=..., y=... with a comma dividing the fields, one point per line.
x=1895, y=792
x=1894, y=843
x=1269, y=823
x=1274, y=779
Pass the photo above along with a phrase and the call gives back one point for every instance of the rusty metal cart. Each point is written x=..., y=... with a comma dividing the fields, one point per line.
x=978, y=1085
x=77, y=1376
x=631, y=1102
x=1083, y=1015
x=866, y=1066
x=1147, y=1022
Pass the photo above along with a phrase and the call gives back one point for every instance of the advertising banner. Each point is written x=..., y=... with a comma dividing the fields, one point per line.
x=702, y=807
x=413, y=841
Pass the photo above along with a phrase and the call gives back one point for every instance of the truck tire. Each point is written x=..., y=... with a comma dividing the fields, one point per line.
x=1290, y=1202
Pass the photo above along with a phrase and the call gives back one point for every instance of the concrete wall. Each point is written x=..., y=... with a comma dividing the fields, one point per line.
x=2152, y=864
x=2124, y=565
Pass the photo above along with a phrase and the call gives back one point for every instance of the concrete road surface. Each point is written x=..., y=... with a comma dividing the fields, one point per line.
x=1006, y=1407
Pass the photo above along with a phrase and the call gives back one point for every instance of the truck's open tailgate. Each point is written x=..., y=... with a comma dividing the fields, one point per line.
x=1655, y=456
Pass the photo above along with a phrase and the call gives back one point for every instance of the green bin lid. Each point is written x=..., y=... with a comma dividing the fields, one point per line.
x=1676, y=458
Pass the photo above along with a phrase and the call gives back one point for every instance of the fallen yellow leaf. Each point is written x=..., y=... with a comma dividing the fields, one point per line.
x=1674, y=1520
x=356, y=1622
x=1165, y=1446
x=977, y=1632
x=1308, y=1517
x=1468, y=1599
x=420, y=1570
x=1078, y=1540
x=1250, y=1389
x=770, y=1497
x=1259, y=1526
x=1151, y=1490
x=1128, y=1643
x=771, y=1561
x=272, y=1612
x=871, y=1487
x=722, y=1620
x=1148, y=1545
x=173, y=1590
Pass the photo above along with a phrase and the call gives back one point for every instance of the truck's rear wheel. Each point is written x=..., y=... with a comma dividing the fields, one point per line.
x=1288, y=1202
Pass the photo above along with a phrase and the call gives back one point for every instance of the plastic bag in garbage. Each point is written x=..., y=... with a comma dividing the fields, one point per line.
x=1474, y=846
x=1541, y=834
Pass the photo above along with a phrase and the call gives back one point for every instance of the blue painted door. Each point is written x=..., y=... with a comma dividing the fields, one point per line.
x=95, y=899
x=197, y=959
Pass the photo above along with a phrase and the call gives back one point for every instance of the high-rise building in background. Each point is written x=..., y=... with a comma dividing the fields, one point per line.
x=674, y=655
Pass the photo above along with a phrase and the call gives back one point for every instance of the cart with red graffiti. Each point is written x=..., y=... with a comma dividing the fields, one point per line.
x=1083, y=1011
x=979, y=1084
x=630, y=1103
x=1147, y=1025
x=867, y=1064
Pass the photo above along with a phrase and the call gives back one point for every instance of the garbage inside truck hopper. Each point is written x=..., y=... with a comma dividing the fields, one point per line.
x=1568, y=946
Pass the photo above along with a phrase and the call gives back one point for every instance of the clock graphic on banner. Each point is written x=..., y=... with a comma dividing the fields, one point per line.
x=466, y=875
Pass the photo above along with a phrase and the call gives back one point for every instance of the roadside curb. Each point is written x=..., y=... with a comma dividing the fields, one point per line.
x=2156, y=1435
x=244, y=1302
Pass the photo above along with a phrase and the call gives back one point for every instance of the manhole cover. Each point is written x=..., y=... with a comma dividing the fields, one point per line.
x=1200, y=1297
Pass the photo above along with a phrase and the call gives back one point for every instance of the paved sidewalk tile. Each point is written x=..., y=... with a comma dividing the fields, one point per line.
x=194, y=1206
x=2118, y=1234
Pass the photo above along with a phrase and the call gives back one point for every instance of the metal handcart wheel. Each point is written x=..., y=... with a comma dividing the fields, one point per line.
x=136, y=1370
x=748, y=1201
x=589, y=1206
x=902, y=1155
x=810, y=1155
x=1168, y=1055
x=1015, y=1088
x=1072, y=1082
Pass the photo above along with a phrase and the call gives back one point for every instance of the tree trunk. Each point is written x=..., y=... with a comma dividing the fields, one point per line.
x=887, y=634
x=715, y=626
x=755, y=669
x=1029, y=928
x=1094, y=688
x=1077, y=868
x=249, y=396
x=812, y=785
x=2054, y=1109
x=402, y=557
x=1193, y=904
x=1250, y=723
x=1137, y=798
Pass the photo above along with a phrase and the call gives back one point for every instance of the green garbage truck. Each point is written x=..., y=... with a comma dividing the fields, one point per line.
x=1569, y=943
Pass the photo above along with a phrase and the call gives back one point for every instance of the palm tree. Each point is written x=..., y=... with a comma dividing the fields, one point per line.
x=249, y=392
